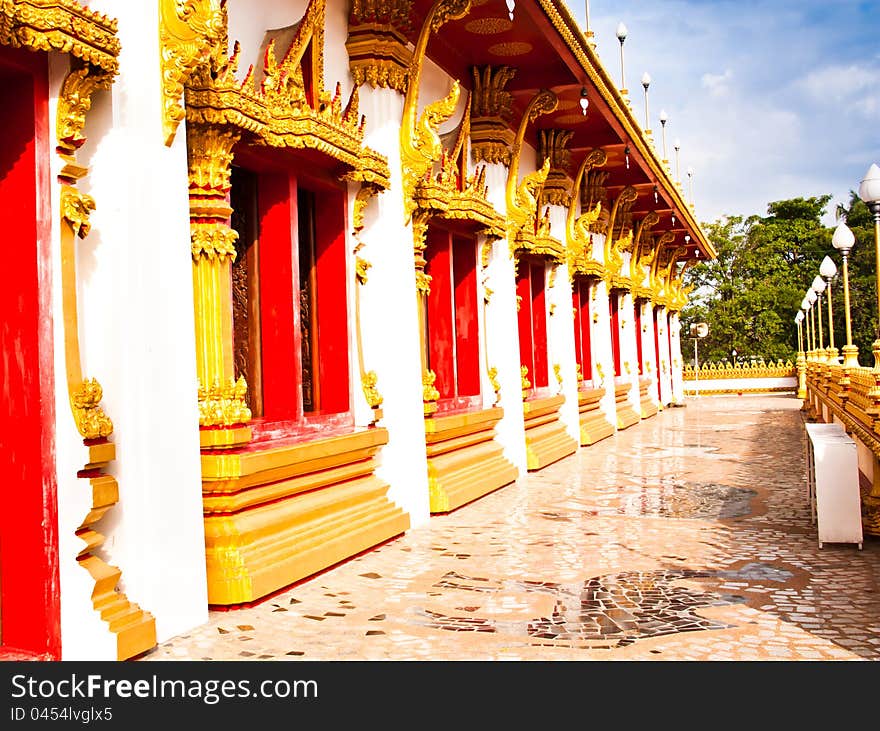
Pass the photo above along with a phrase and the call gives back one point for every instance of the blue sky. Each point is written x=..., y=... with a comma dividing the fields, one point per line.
x=770, y=99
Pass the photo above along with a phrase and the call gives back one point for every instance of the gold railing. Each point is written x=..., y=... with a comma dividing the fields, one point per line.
x=850, y=396
x=752, y=369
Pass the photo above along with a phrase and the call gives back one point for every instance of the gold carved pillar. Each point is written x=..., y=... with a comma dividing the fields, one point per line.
x=491, y=137
x=223, y=409
x=553, y=144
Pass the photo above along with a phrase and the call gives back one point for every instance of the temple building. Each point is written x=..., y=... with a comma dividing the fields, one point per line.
x=288, y=278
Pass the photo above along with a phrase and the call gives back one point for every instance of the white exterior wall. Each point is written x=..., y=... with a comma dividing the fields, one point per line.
x=138, y=339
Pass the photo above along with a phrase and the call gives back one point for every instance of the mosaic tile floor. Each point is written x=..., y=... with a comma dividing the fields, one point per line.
x=685, y=537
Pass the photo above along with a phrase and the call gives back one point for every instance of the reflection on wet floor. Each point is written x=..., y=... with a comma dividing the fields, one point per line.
x=685, y=537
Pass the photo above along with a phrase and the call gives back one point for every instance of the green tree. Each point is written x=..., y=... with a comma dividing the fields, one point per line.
x=750, y=294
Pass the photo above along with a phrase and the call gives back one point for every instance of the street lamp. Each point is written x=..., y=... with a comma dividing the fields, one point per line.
x=733, y=355
x=805, y=308
x=843, y=241
x=621, y=36
x=827, y=270
x=677, y=146
x=690, y=172
x=818, y=286
x=869, y=191
x=811, y=298
x=798, y=319
x=663, y=119
x=646, y=82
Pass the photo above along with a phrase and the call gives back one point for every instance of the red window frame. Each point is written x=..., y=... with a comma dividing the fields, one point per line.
x=614, y=312
x=287, y=196
x=532, y=320
x=637, y=308
x=452, y=325
x=30, y=625
x=580, y=300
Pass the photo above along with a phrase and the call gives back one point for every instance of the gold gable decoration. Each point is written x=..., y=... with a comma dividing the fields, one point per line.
x=287, y=108
x=61, y=25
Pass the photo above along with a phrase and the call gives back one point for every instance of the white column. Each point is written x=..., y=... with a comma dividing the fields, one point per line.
x=677, y=361
x=628, y=348
x=648, y=352
x=664, y=371
x=389, y=315
x=603, y=354
x=138, y=339
x=502, y=331
x=561, y=334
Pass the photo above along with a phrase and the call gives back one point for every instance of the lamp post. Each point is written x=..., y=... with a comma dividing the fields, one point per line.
x=843, y=241
x=621, y=36
x=677, y=147
x=801, y=360
x=869, y=191
x=818, y=286
x=663, y=119
x=805, y=308
x=690, y=173
x=811, y=298
x=646, y=82
x=827, y=270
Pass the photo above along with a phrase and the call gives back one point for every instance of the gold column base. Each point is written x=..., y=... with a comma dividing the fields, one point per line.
x=546, y=438
x=278, y=514
x=593, y=424
x=626, y=414
x=850, y=356
x=464, y=460
x=134, y=628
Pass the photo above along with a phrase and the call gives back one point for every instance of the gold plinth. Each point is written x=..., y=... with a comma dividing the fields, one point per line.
x=626, y=414
x=546, y=438
x=464, y=460
x=646, y=403
x=277, y=514
x=593, y=424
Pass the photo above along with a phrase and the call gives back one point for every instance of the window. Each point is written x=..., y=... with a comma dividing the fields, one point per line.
x=638, y=322
x=614, y=311
x=452, y=314
x=580, y=300
x=532, y=319
x=289, y=293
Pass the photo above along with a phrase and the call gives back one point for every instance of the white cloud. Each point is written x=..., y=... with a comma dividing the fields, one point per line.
x=717, y=83
x=851, y=87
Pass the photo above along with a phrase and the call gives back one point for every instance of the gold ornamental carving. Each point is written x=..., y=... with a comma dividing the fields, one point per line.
x=491, y=136
x=378, y=52
x=616, y=242
x=420, y=144
x=189, y=32
x=579, y=236
x=527, y=230
x=224, y=404
x=643, y=253
x=553, y=144
x=65, y=26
